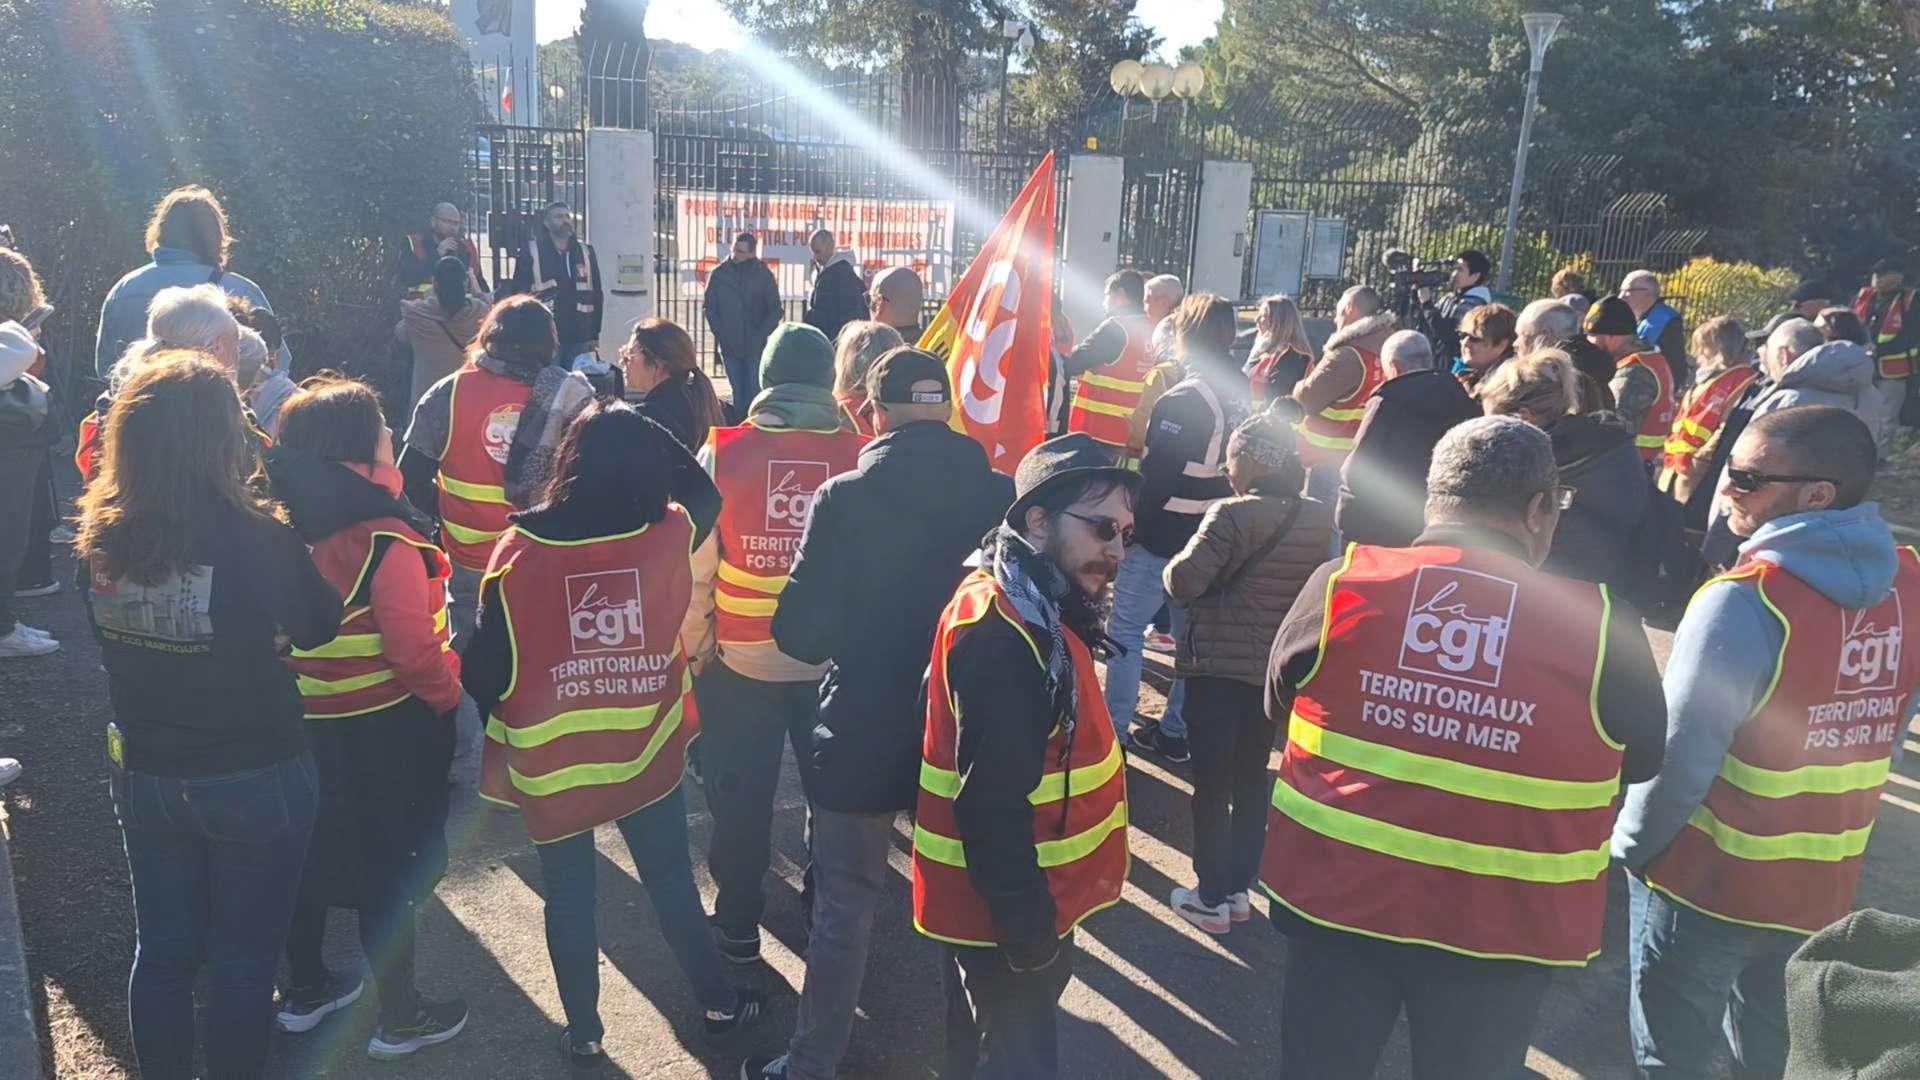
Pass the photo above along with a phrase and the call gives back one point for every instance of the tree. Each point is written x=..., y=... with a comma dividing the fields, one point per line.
x=1076, y=44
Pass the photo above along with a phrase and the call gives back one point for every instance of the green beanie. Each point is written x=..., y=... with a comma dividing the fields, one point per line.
x=797, y=353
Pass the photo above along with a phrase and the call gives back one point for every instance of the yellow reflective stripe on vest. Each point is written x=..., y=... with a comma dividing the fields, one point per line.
x=945, y=783
x=1111, y=383
x=1325, y=442
x=486, y=493
x=1655, y=441
x=733, y=575
x=593, y=773
x=1102, y=407
x=1400, y=842
x=1819, y=847
x=467, y=535
x=753, y=607
x=1806, y=780
x=312, y=687
x=344, y=646
x=1331, y=413
x=1455, y=777
x=578, y=721
x=951, y=852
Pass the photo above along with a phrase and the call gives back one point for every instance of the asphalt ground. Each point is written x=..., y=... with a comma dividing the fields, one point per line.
x=1151, y=995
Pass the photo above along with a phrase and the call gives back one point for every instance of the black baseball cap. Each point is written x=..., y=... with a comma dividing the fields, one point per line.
x=893, y=378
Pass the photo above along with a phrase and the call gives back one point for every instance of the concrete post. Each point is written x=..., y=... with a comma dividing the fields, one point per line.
x=1092, y=246
x=1220, y=228
x=620, y=190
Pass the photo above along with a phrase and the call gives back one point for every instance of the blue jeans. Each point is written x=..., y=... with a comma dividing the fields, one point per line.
x=1697, y=980
x=657, y=838
x=215, y=863
x=1323, y=485
x=1137, y=594
x=743, y=377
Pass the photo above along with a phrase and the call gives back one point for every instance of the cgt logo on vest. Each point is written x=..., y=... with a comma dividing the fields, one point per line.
x=1457, y=625
x=497, y=437
x=1869, y=648
x=790, y=488
x=603, y=612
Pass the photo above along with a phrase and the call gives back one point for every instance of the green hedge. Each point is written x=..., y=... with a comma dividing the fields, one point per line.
x=327, y=127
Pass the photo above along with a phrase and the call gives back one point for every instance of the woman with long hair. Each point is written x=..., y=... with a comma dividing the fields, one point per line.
x=860, y=344
x=193, y=583
x=1281, y=352
x=574, y=745
x=379, y=703
x=440, y=326
x=664, y=369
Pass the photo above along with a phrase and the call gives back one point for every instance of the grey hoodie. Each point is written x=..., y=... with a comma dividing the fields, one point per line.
x=1836, y=373
x=1723, y=660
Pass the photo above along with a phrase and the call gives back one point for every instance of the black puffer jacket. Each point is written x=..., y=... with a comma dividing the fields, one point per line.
x=1233, y=608
x=879, y=560
x=1383, y=484
x=1596, y=454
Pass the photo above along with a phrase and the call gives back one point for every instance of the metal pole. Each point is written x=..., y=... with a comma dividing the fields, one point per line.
x=1006, y=50
x=1519, y=179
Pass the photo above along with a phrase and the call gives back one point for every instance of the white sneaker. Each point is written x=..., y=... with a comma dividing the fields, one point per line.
x=1217, y=919
x=60, y=534
x=9, y=770
x=22, y=644
x=1239, y=907
x=35, y=632
x=47, y=588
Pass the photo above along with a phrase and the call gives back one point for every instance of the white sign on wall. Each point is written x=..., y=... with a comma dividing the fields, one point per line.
x=873, y=233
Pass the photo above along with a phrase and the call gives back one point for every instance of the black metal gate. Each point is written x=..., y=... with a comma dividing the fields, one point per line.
x=1159, y=202
x=514, y=173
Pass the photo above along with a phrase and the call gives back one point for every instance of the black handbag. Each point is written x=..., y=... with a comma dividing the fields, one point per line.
x=23, y=405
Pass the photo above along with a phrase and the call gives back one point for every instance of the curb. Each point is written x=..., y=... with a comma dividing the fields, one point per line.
x=19, y=1040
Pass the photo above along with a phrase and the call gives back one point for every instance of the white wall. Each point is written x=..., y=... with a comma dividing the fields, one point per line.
x=1092, y=246
x=500, y=35
x=1220, y=230
x=620, y=179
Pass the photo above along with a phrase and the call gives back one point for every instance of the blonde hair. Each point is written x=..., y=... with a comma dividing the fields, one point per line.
x=20, y=290
x=1288, y=329
x=860, y=343
x=1544, y=384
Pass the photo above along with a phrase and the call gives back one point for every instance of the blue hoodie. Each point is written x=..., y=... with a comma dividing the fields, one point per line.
x=1723, y=660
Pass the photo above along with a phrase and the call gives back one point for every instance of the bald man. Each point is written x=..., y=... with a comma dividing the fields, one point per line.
x=838, y=296
x=1659, y=325
x=413, y=267
x=895, y=299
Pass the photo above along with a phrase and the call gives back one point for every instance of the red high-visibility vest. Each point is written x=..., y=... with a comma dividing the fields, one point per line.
x=1778, y=840
x=1658, y=421
x=1700, y=416
x=767, y=479
x=597, y=715
x=1326, y=437
x=483, y=412
x=425, y=252
x=1106, y=397
x=350, y=675
x=1891, y=365
x=1083, y=852
x=1446, y=780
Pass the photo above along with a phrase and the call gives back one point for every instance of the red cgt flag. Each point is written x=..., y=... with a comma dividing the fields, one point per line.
x=996, y=327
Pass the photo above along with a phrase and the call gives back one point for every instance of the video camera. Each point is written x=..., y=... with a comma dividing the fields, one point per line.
x=1407, y=273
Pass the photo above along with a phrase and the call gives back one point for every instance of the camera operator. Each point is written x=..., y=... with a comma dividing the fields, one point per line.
x=1441, y=321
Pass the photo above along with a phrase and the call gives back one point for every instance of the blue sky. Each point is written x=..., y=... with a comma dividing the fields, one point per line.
x=706, y=25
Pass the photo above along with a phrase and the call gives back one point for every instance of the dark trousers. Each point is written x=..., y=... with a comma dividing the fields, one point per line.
x=215, y=862
x=1230, y=738
x=656, y=836
x=743, y=724
x=1467, y=1018
x=379, y=844
x=37, y=567
x=20, y=479
x=1002, y=1023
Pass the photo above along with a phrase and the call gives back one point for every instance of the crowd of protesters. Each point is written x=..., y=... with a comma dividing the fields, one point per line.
x=1414, y=559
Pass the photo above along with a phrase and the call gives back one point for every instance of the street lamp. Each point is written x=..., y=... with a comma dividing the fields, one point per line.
x=1541, y=27
x=1154, y=81
x=1013, y=33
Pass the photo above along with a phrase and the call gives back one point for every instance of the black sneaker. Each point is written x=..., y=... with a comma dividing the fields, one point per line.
x=302, y=1008
x=583, y=1056
x=749, y=1006
x=739, y=950
x=764, y=1068
x=435, y=1022
x=1153, y=740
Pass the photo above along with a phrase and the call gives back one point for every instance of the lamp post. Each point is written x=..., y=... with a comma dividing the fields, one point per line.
x=1012, y=32
x=1541, y=27
x=1153, y=81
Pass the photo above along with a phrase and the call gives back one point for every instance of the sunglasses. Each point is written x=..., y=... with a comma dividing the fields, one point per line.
x=1746, y=481
x=1563, y=496
x=1105, y=528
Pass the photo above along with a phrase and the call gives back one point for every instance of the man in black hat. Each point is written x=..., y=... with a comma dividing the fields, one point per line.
x=883, y=549
x=1441, y=321
x=1020, y=822
x=1885, y=308
x=1643, y=385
